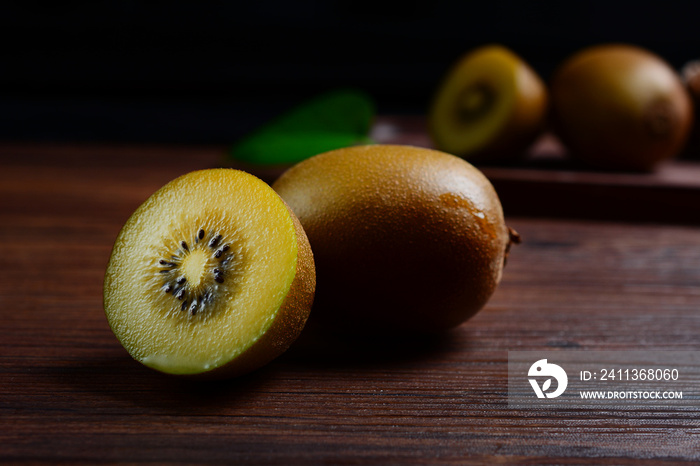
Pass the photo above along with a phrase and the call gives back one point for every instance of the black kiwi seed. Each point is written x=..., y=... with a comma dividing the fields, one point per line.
x=180, y=293
x=181, y=280
x=184, y=246
x=214, y=241
x=184, y=306
x=219, y=252
x=164, y=262
x=200, y=235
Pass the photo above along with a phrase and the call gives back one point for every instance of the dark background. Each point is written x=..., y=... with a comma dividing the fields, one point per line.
x=210, y=71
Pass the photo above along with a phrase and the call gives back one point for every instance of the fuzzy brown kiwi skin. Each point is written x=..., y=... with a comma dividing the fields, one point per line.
x=620, y=107
x=691, y=78
x=525, y=124
x=528, y=122
x=288, y=323
x=399, y=245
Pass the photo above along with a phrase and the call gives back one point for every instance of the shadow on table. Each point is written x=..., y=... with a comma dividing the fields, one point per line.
x=319, y=348
x=108, y=380
x=132, y=385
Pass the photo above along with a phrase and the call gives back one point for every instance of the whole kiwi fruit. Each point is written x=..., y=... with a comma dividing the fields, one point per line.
x=405, y=239
x=620, y=107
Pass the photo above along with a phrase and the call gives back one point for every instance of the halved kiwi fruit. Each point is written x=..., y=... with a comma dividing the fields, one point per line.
x=490, y=106
x=620, y=107
x=212, y=275
x=405, y=239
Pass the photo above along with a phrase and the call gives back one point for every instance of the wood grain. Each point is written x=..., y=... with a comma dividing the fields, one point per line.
x=70, y=393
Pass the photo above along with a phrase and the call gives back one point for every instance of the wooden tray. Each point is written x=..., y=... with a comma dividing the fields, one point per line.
x=547, y=183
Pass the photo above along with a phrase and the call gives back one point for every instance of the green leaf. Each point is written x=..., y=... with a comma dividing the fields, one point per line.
x=331, y=121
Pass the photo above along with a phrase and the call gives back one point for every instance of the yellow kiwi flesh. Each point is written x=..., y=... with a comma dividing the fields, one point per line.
x=620, y=107
x=491, y=105
x=212, y=275
x=405, y=239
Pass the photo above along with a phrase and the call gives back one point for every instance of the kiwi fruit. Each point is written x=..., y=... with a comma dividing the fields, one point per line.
x=490, y=106
x=620, y=107
x=691, y=78
x=212, y=275
x=405, y=239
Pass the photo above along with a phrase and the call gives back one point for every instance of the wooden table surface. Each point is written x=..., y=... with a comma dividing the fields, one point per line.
x=70, y=393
